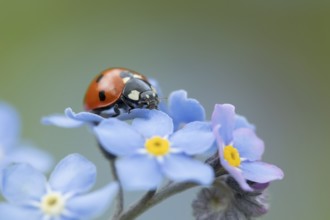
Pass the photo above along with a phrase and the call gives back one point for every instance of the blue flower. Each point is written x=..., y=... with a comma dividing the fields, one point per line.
x=30, y=196
x=11, y=148
x=149, y=150
x=240, y=150
x=180, y=108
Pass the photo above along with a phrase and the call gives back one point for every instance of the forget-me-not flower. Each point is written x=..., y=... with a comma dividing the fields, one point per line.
x=12, y=150
x=148, y=149
x=63, y=197
x=240, y=150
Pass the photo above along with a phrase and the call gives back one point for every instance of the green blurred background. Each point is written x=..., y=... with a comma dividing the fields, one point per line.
x=271, y=59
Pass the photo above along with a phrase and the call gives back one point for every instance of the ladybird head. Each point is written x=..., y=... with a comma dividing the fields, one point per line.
x=149, y=99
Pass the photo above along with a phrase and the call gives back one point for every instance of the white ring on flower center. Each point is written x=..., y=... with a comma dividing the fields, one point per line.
x=53, y=204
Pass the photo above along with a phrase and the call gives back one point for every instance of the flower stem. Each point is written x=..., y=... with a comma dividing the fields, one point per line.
x=119, y=201
x=151, y=199
x=120, y=196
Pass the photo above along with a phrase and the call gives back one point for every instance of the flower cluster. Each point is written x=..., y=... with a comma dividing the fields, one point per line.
x=225, y=200
x=146, y=147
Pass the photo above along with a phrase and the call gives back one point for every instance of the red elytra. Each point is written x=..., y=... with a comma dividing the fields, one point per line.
x=106, y=88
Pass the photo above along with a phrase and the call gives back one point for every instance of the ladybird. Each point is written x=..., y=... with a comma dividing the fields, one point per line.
x=119, y=88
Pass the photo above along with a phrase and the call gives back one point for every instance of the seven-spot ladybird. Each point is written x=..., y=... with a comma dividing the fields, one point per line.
x=120, y=88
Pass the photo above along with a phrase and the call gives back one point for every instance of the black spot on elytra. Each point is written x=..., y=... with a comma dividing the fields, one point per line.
x=99, y=78
x=102, y=96
x=125, y=74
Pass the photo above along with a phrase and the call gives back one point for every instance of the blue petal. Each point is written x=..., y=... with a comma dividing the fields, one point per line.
x=194, y=138
x=11, y=212
x=139, y=172
x=155, y=123
x=61, y=121
x=180, y=168
x=237, y=174
x=248, y=144
x=93, y=204
x=183, y=109
x=73, y=174
x=118, y=137
x=9, y=126
x=134, y=113
x=261, y=172
x=224, y=115
x=23, y=183
x=35, y=157
x=86, y=117
x=242, y=122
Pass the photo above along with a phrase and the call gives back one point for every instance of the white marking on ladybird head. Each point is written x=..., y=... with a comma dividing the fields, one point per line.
x=147, y=96
x=134, y=95
x=137, y=76
x=125, y=80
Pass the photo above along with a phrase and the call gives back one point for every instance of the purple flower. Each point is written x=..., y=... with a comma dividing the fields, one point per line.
x=149, y=150
x=31, y=196
x=12, y=150
x=240, y=150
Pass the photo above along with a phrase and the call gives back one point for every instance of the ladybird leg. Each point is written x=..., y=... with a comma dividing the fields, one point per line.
x=116, y=110
x=129, y=106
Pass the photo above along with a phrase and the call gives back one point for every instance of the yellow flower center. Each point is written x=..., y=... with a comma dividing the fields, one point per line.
x=52, y=204
x=157, y=146
x=231, y=154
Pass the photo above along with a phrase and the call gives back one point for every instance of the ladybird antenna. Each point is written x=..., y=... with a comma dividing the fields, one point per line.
x=163, y=98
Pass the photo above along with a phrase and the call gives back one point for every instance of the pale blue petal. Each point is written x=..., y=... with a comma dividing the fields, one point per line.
x=11, y=212
x=37, y=158
x=93, y=204
x=73, y=174
x=237, y=174
x=248, y=144
x=67, y=218
x=180, y=168
x=218, y=140
x=183, y=109
x=118, y=137
x=139, y=172
x=1, y=178
x=23, y=183
x=86, y=117
x=134, y=113
x=10, y=126
x=61, y=121
x=242, y=122
x=194, y=138
x=155, y=123
x=224, y=115
x=261, y=172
